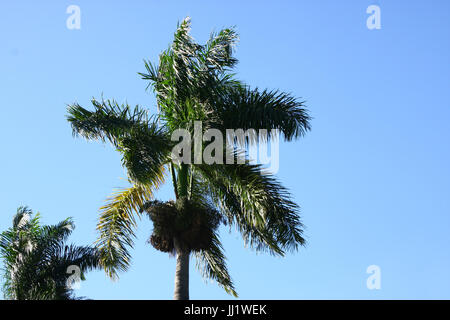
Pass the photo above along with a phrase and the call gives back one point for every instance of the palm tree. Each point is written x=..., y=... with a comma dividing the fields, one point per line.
x=36, y=262
x=193, y=82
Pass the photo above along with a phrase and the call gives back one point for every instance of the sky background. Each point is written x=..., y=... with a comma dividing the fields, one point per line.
x=372, y=177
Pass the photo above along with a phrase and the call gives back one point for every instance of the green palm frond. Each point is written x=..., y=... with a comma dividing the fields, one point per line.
x=262, y=110
x=59, y=232
x=145, y=147
x=85, y=257
x=212, y=264
x=117, y=223
x=145, y=152
x=22, y=218
x=256, y=203
x=109, y=120
x=217, y=53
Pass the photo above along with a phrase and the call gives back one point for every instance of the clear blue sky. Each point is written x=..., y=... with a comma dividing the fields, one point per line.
x=372, y=177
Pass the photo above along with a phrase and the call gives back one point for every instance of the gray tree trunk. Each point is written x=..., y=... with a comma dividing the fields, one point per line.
x=182, y=276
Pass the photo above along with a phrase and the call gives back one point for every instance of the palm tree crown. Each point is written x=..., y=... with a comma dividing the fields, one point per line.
x=37, y=263
x=194, y=82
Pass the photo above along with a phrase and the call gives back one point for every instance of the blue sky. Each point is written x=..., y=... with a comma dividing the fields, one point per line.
x=372, y=177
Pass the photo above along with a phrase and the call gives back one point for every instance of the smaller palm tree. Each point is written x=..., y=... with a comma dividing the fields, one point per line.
x=36, y=262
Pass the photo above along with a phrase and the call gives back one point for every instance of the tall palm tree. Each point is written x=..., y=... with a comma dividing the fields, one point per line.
x=36, y=262
x=193, y=82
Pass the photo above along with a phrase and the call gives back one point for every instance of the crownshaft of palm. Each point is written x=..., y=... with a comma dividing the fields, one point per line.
x=194, y=82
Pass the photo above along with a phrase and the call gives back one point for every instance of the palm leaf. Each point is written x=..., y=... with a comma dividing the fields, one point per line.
x=109, y=120
x=261, y=110
x=117, y=223
x=212, y=265
x=256, y=203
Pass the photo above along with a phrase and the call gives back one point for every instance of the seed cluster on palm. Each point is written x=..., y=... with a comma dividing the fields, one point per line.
x=185, y=222
x=194, y=82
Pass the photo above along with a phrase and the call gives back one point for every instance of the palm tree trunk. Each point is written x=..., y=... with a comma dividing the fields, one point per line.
x=182, y=276
x=182, y=268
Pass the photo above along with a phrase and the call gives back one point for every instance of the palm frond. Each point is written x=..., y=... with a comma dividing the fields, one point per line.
x=109, y=120
x=217, y=53
x=256, y=203
x=212, y=264
x=261, y=110
x=145, y=152
x=144, y=146
x=58, y=232
x=117, y=223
